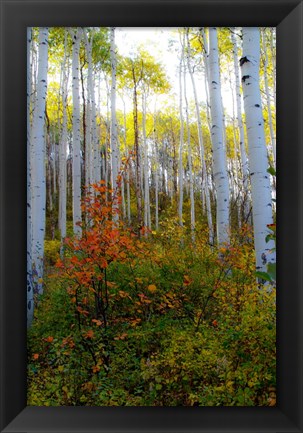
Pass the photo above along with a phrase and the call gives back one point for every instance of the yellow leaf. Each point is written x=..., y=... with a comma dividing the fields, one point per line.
x=152, y=288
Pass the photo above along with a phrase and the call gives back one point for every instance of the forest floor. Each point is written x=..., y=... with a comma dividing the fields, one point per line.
x=152, y=321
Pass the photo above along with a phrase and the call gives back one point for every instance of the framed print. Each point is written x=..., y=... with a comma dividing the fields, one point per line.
x=118, y=145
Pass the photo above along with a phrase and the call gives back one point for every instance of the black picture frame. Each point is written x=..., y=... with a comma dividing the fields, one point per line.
x=287, y=15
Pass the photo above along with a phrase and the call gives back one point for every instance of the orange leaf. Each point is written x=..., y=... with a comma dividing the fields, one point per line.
x=89, y=334
x=186, y=280
x=96, y=368
x=121, y=337
x=49, y=339
x=152, y=288
x=135, y=322
x=35, y=355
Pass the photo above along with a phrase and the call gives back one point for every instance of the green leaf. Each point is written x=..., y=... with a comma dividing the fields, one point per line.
x=271, y=171
x=271, y=269
x=264, y=275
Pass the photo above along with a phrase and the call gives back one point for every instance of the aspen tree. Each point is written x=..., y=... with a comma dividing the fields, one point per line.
x=257, y=153
x=190, y=169
x=76, y=155
x=38, y=186
x=30, y=292
x=268, y=104
x=181, y=171
x=217, y=137
x=146, y=166
x=113, y=125
x=63, y=147
x=244, y=159
x=89, y=114
x=201, y=144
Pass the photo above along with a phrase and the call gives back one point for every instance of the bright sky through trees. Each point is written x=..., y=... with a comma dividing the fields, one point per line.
x=163, y=44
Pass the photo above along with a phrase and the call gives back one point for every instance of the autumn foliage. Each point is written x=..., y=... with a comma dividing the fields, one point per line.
x=134, y=320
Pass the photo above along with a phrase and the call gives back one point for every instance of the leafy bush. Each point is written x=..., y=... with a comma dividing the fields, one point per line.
x=154, y=320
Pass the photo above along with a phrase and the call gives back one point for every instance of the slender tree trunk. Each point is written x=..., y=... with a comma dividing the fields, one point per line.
x=38, y=165
x=83, y=171
x=206, y=75
x=190, y=169
x=63, y=148
x=146, y=167
x=219, y=157
x=128, y=166
x=181, y=171
x=244, y=159
x=273, y=58
x=113, y=126
x=258, y=162
x=137, y=153
x=89, y=116
x=76, y=155
x=93, y=143
x=270, y=121
x=30, y=291
x=156, y=164
x=201, y=146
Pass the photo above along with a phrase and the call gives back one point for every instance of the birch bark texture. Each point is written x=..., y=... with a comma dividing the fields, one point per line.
x=38, y=184
x=244, y=159
x=63, y=147
x=270, y=120
x=146, y=165
x=257, y=152
x=217, y=138
x=190, y=165
x=113, y=125
x=180, y=168
x=76, y=152
x=30, y=292
x=201, y=144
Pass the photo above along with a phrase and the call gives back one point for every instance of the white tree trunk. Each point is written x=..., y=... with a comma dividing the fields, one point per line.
x=181, y=171
x=273, y=58
x=113, y=125
x=77, y=218
x=156, y=156
x=128, y=165
x=206, y=75
x=146, y=167
x=244, y=159
x=30, y=292
x=217, y=136
x=89, y=116
x=63, y=148
x=271, y=127
x=190, y=169
x=38, y=165
x=201, y=147
x=258, y=162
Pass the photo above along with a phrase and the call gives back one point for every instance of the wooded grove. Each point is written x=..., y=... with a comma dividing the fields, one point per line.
x=151, y=247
